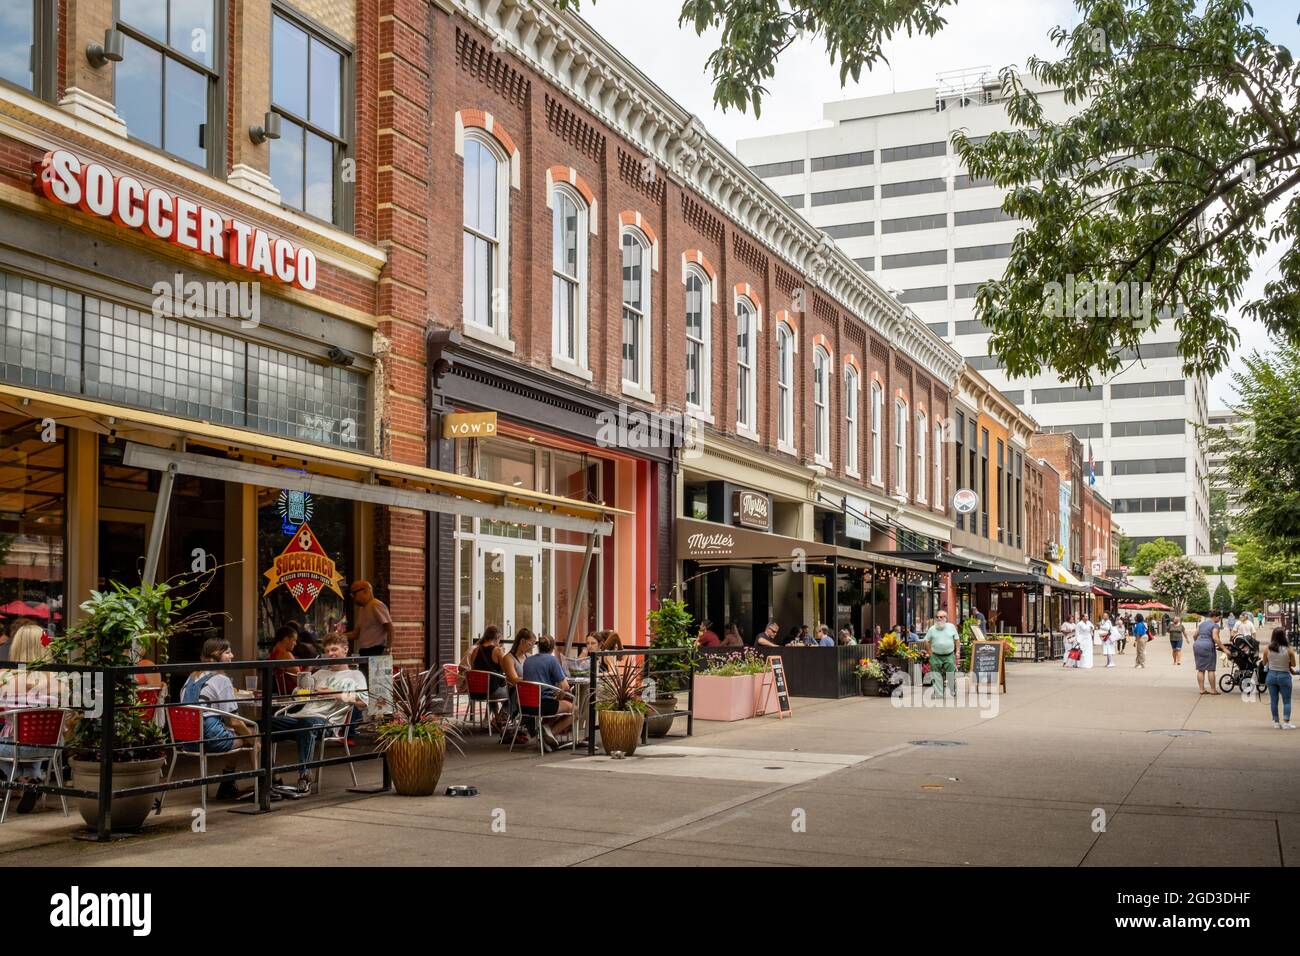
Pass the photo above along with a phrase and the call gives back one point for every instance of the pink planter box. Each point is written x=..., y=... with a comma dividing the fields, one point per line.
x=764, y=703
x=724, y=698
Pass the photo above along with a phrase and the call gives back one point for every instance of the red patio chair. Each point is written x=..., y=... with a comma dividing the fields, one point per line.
x=450, y=677
x=39, y=727
x=185, y=726
x=529, y=695
x=480, y=686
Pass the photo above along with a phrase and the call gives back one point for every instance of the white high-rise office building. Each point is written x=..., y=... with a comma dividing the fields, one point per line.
x=883, y=181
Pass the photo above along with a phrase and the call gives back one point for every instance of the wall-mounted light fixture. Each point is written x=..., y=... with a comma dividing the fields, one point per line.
x=110, y=51
x=270, y=129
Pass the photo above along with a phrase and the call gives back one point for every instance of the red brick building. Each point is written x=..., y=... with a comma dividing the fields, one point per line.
x=431, y=208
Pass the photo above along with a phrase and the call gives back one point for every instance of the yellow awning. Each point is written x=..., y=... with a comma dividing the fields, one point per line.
x=244, y=445
x=1062, y=575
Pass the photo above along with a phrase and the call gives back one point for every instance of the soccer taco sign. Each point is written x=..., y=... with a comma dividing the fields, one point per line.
x=68, y=180
x=304, y=569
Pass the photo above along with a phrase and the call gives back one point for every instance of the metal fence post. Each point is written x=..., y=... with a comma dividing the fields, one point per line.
x=591, y=702
x=268, y=743
x=107, y=742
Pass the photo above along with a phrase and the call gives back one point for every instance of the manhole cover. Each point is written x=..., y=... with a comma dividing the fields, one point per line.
x=1181, y=733
x=938, y=743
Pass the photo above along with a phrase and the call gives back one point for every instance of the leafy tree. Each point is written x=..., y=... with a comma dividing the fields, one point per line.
x=1220, y=521
x=1153, y=552
x=1264, y=464
x=1180, y=583
x=1222, y=597
x=1127, y=550
x=1263, y=572
x=1178, y=168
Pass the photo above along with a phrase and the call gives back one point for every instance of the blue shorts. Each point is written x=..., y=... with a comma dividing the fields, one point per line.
x=1176, y=643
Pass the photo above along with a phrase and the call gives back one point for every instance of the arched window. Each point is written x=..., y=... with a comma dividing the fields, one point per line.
x=699, y=333
x=785, y=387
x=851, y=419
x=877, y=416
x=569, y=276
x=636, y=310
x=901, y=425
x=922, y=440
x=821, y=406
x=746, y=335
x=485, y=197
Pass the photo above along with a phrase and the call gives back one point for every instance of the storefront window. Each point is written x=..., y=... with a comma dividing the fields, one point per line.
x=32, y=522
x=56, y=339
x=280, y=516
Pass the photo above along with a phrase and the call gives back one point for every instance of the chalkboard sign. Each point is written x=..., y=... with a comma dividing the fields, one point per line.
x=782, y=690
x=986, y=663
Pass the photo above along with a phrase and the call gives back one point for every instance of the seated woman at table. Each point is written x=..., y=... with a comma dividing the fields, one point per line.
x=731, y=636
x=226, y=733
x=486, y=655
x=544, y=668
x=23, y=689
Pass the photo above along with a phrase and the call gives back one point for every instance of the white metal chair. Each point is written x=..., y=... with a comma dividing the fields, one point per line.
x=337, y=734
x=38, y=729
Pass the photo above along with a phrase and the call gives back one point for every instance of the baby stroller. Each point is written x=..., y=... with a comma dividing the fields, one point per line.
x=1247, y=673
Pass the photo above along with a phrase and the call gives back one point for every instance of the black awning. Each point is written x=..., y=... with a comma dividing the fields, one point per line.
x=1013, y=577
x=946, y=560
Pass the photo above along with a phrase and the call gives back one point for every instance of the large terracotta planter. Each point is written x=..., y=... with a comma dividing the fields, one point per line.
x=620, y=730
x=724, y=698
x=415, y=766
x=765, y=701
x=661, y=718
x=127, y=813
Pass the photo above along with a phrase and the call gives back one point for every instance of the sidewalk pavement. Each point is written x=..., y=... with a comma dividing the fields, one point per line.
x=1069, y=772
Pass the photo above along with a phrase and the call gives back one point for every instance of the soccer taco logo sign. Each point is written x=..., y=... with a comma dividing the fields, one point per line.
x=304, y=568
x=96, y=190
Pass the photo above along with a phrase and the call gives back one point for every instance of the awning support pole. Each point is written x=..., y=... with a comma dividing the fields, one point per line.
x=160, y=509
x=580, y=596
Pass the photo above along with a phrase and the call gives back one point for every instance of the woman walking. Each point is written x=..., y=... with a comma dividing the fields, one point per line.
x=1205, y=649
x=1280, y=664
x=1141, y=635
x=1176, y=635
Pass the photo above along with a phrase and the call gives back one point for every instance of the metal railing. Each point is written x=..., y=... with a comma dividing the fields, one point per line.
x=647, y=673
x=119, y=688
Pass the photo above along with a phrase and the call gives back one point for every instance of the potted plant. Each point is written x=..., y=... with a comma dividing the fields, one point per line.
x=118, y=622
x=725, y=688
x=414, y=738
x=670, y=627
x=892, y=650
x=870, y=675
x=620, y=711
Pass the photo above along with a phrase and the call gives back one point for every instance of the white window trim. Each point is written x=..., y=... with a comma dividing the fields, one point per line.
x=748, y=428
x=498, y=334
x=789, y=446
x=822, y=414
x=901, y=460
x=581, y=366
x=877, y=412
x=922, y=460
x=939, y=496
x=644, y=389
x=704, y=410
x=852, y=450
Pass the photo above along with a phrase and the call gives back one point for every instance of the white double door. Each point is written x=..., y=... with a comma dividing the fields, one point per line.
x=507, y=586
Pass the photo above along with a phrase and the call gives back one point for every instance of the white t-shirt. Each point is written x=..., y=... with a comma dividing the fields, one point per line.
x=347, y=681
x=1246, y=627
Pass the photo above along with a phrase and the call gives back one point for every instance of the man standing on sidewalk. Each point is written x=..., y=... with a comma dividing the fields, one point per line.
x=944, y=648
x=374, y=630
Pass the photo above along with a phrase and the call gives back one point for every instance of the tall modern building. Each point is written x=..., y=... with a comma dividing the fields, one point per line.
x=881, y=178
x=1234, y=426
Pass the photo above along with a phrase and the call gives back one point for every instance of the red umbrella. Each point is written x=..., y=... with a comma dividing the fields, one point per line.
x=20, y=609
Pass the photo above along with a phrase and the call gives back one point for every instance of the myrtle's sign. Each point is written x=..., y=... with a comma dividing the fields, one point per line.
x=751, y=510
x=717, y=544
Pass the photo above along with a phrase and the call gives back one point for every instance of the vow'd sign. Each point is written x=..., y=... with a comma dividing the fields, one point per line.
x=96, y=190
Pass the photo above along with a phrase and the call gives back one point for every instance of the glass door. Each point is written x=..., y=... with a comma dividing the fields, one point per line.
x=507, y=587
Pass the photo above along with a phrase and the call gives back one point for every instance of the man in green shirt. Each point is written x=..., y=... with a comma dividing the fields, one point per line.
x=945, y=645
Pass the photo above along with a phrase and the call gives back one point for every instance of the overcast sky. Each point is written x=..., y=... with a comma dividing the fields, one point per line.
x=991, y=33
